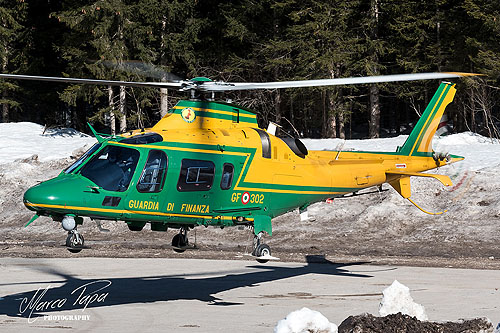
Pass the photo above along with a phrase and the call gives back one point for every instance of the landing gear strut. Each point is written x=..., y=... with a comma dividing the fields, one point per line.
x=260, y=249
x=74, y=241
x=180, y=241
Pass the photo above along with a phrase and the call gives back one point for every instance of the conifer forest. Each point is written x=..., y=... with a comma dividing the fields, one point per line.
x=252, y=41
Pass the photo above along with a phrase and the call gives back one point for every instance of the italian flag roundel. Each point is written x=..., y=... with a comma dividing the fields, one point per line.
x=245, y=198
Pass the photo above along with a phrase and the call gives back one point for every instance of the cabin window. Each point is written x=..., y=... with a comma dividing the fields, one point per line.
x=227, y=176
x=79, y=161
x=112, y=168
x=196, y=175
x=154, y=173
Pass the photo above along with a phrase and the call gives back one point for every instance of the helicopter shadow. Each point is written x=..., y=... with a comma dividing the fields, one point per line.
x=78, y=292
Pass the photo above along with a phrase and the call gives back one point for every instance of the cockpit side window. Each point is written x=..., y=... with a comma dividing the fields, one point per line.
x=227, y=176
x=82, y=158
x=112, y=168
x=196, y=175
x=154, y=173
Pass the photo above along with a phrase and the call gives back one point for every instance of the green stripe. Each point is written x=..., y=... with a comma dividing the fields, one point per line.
x=215, y=106
x=303, y=188
x=422, y=134
x=215, y=148
x=414, y=135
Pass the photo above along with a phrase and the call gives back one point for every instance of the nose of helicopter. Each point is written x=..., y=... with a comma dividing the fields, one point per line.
x=31, y=196
x=49, y=194
x=40, y=196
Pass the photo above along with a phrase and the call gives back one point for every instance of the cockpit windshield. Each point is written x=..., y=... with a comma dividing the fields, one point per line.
x=112, y=168
x=79, y=161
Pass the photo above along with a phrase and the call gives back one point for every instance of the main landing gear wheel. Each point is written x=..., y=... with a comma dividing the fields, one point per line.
x=260, y=249
x=74, y=241
x=180, y=241
x=263, y=250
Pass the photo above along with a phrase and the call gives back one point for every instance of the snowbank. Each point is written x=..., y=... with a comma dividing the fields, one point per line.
x=305, y=321
x=397, y=298
x=22, y=140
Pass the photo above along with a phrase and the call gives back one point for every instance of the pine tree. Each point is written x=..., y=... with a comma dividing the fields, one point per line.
x=12, y=18
x=96, y=47
x=324, y=48
x=169, y=31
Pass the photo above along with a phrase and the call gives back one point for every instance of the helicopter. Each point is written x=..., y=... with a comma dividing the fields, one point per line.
x=207, y=163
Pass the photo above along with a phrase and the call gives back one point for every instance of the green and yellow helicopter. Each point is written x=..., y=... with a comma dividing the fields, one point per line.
x=207, y=163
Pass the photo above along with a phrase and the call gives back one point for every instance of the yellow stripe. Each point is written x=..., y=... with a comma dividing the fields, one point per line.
x=283, y=191
x=108, y=210
x=242, y=171
x=230, y=113
x=74, y=207
x=206, y=151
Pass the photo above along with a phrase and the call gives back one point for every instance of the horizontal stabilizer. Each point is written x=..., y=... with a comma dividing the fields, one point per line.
x=445, y=180
x=400, y=181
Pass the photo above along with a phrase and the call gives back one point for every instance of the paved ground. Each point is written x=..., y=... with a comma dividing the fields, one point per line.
x=194, y=295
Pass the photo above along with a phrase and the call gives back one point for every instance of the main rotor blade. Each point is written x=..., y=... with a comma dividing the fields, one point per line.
x=143, y=69
x=172, y=85
x=226, y=86
x=211, y=86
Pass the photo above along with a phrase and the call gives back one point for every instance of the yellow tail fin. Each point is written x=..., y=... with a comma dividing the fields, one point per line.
x=419, y=143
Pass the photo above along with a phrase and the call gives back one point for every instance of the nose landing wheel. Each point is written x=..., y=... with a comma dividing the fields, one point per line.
x=74, y=241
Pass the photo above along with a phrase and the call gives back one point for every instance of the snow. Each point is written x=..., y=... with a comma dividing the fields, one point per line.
x=397, y=298
x=305, y=321
x=23, y=140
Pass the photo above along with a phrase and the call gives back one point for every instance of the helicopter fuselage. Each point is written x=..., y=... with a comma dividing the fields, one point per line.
x=208, y=164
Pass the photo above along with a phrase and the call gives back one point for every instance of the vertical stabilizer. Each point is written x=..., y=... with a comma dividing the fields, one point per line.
x=419, y=143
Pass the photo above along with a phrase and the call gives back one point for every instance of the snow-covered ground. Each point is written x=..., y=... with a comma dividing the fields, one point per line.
x=23, y=140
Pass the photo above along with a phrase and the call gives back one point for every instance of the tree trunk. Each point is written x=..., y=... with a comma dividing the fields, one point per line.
x=374, y=131
x=324, y=127
x=341, y=125
x=67, y=117
x=277, y=109
x=374, y=125
x=332, y=121
x=163, y=60
x=123, y=110
x=438, y=39
x=5, y=94
x=163, y=101
x=112, y=120
x=472, y=102
x=5, y=108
